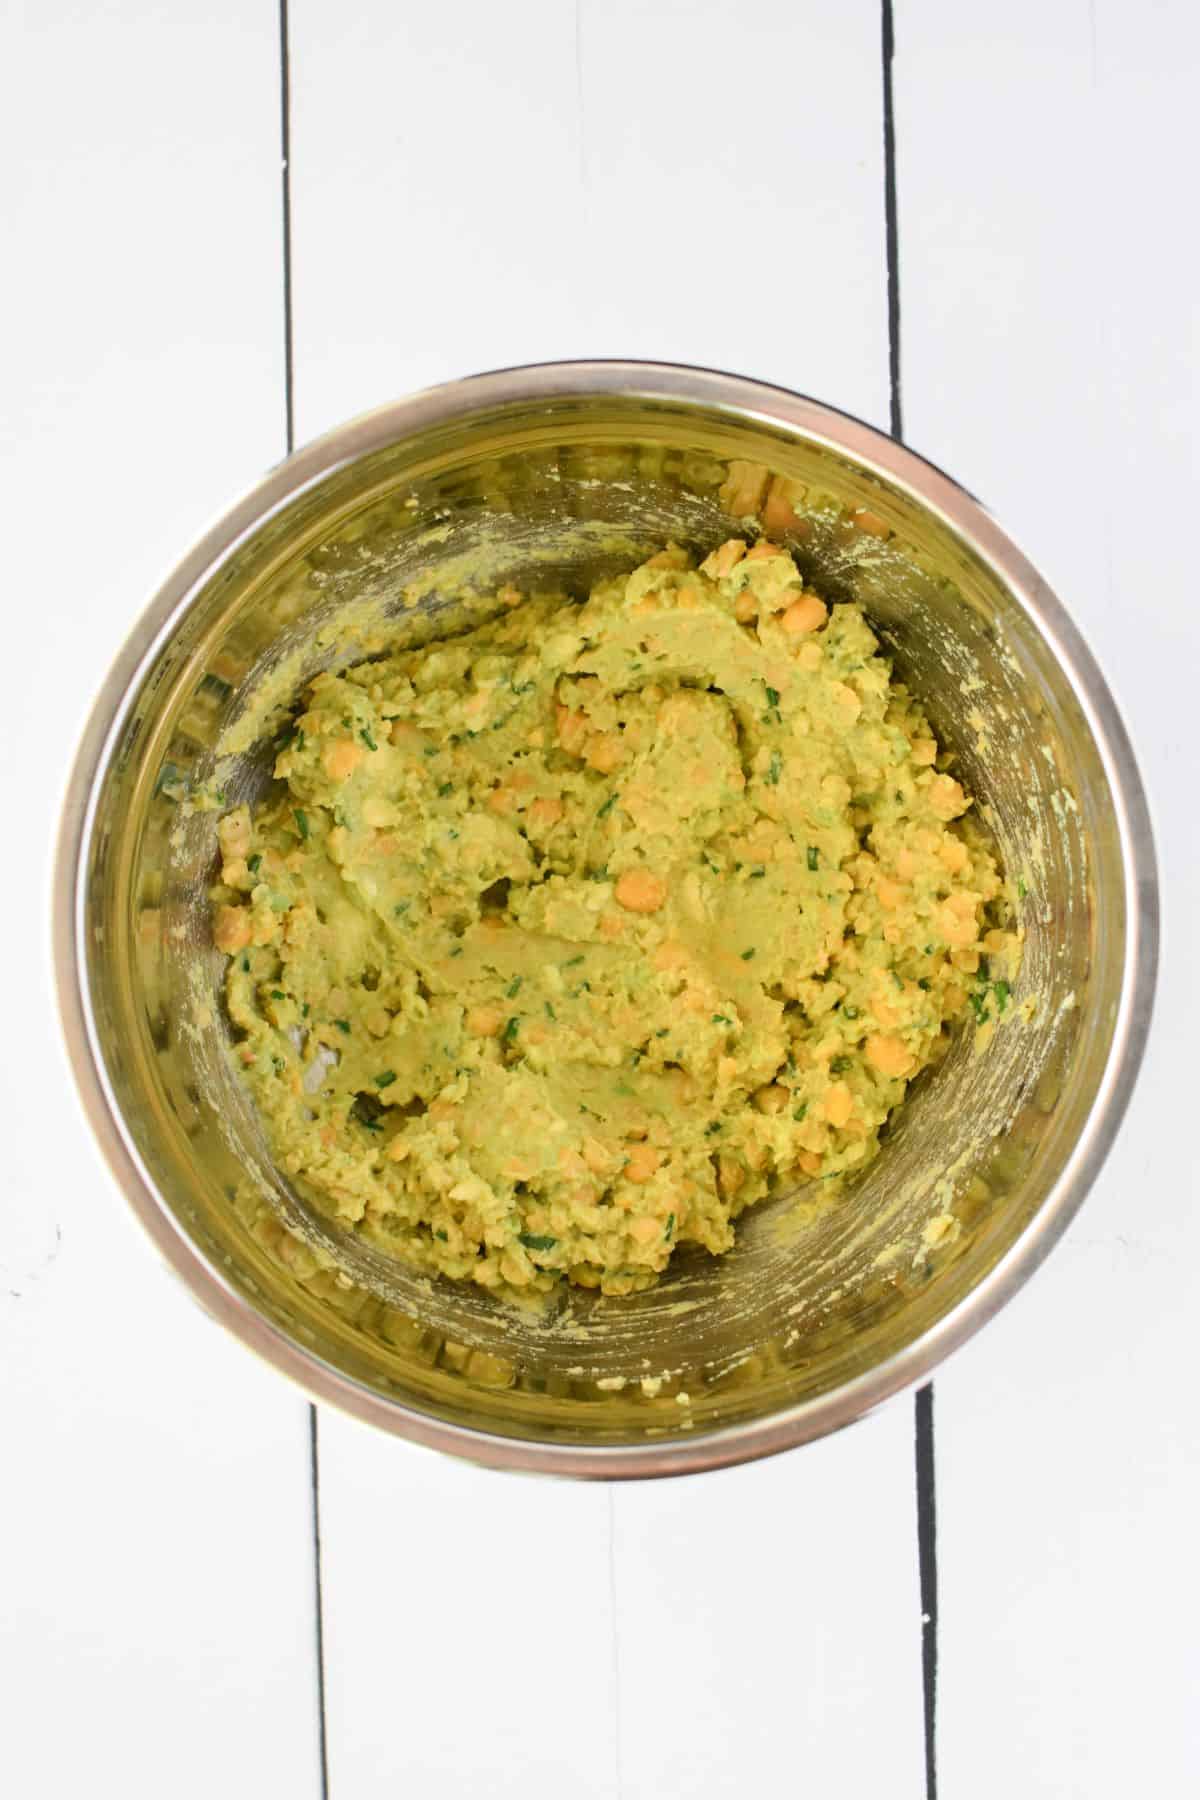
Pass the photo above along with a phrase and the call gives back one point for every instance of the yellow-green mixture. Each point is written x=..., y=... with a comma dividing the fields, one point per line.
x=563, y=939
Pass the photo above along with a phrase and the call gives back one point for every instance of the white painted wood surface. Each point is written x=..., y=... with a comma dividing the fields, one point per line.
x=1047, y=160
x=156, y=1611
x=469, y=200
x=473, y=186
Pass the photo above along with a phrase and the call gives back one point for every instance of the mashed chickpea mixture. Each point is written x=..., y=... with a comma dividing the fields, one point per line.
x=567, y=937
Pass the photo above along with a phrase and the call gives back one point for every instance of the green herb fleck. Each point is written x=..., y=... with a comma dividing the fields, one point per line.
x=1002, y=992
x=510, y=1030
x=1022, y=890
x=444, y=788
x=550, y=1012
x=514, y=987
x=978, y=1001
x=278, y=1064
x=245, y=965
x=572, y=960
x=385, y=1079
x=924, y=984
x=772, y=696
x=367, y=739
x=669, y=1228
x=343, y=1025
x=254, y=863
x=301, y=819
x=401, y=907
x=721, y=1019
x=747, y=955
x=757, y=873
x=814, y=857
x=602, y=812
x=849, y=1012
x=899, y=980
x=532, y=1240
x=443, y=1237
x=304, y=1010
x=276, y=994
x=801, y=1111
x=839, y=1065
x=663, y=1032
x=774, y=770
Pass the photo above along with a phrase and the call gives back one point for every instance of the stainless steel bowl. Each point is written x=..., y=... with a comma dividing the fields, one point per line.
x=565, y=472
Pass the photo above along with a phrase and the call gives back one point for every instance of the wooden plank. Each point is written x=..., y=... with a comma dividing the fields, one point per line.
x=472, y=191
x=1046, y=160
x=155, y=1559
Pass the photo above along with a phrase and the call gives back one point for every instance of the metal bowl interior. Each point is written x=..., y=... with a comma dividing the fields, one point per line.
x=559, y=475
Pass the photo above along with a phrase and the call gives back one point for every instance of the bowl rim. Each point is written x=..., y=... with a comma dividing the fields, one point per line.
x=747, y=400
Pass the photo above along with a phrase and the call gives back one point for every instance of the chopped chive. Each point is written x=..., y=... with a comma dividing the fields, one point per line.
x=343, y=1025
x=245, y=965
x=669, y=1228
x=457, y=950
x=772, y=696
x=533, y=1240
x=813, y=857
x=443, y=1237
x=276, y=994
x=1002, y=992
x=663, y=1032
x=747, y=955
x=899, y=980
x=401, y=907
x=979, y=1006
x=385, y=1079
x=924, y=984
x=774, y=770
x=510, y=1030
x=550, y=1012
x=301, y=819
x=572, y=960
x=254, y=864
x=801, y=1111
x=514, y=987
x=602, y=812
x=367, y=739
x=839, y=1065
x=444, y=788
x=1022, y=890
x=721, y=1019
x=713, y=1125
x=304, y=1010
x=757, y=873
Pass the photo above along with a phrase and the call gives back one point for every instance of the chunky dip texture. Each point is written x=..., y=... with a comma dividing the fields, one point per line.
x=561, y=941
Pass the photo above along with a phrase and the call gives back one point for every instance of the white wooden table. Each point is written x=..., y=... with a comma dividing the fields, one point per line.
x=482, y=184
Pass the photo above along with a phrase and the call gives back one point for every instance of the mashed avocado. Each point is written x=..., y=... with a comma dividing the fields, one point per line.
x=563, y=939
